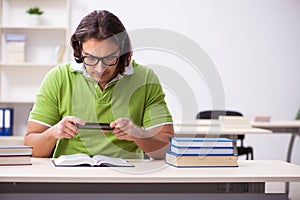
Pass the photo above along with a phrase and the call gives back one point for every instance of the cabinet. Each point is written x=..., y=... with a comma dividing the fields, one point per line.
x=20, y=82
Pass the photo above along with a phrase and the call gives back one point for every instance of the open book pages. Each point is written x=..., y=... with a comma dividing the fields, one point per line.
x=84, y=159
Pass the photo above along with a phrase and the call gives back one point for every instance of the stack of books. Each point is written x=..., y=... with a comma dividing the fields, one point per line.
x=201, y=152
x=15, y=155
x=15, y=48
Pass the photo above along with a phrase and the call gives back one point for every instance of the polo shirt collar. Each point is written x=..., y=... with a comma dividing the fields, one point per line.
x=78, y=67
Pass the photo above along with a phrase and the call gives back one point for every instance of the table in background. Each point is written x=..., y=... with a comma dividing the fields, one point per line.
x=291, y=127
x=206, y=128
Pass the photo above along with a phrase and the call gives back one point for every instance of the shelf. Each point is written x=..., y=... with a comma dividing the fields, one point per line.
x=8, y=102
x=56, y=12
x=20, y=82
x=42, y=65
x=41, y=27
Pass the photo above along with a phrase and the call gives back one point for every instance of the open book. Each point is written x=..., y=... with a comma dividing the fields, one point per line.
x=84, y=159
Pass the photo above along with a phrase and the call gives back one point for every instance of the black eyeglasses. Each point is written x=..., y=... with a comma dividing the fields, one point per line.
x=90, y=60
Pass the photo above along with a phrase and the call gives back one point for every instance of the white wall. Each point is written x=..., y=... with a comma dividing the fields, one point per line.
x=254, y=45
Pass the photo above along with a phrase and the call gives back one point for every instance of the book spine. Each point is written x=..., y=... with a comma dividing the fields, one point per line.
x=202, y=155
x=202, y=152
x=200, y=147
x=199, y=155
x=198, y=142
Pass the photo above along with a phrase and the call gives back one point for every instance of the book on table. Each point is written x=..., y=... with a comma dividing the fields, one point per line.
x=15, y=150
x=15, y=160
x=202, y=146
x=202, y=151
x=178, y=160
x=82, y=159
x=15, y=155
x=203, y=142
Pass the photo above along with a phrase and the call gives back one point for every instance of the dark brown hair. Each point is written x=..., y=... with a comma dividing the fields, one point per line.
x=102, y=25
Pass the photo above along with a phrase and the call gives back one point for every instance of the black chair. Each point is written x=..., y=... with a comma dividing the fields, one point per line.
x=298, y=115
x=214, y=114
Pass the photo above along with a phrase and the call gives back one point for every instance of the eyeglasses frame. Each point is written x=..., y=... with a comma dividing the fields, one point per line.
x=101, y=59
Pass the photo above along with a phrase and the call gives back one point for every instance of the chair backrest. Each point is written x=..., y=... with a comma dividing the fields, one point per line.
x=214, y=114
x=298, y=115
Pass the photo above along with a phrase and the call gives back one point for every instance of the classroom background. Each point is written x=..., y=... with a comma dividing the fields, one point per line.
x=252, y=48
x=253, y=45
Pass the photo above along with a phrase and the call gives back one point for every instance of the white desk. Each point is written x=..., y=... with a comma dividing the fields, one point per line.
x=194, y=128
x=147, y=177
x=291, y=127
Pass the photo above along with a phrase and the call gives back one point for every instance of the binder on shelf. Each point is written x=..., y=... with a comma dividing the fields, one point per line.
x=1, y=121
x=6, y=119
x=15, y=48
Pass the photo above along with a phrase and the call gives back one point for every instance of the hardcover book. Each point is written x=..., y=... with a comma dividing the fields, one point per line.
x=200, y=161
x=202, y=150
x=15, y=160
x=18, y=150
x=203, y=142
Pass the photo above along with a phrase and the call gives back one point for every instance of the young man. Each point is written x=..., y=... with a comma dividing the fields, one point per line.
x=104, y=85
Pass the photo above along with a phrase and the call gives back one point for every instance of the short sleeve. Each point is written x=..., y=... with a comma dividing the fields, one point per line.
x=156, y=110
x=45, y=109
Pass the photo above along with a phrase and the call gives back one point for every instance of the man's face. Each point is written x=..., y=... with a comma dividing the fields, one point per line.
x=101, y=59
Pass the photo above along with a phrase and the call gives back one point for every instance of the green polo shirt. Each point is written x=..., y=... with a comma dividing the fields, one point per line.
x=67, y=90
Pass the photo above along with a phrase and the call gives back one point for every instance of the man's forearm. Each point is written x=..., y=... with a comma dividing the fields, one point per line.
x=42, y=143
x=156, y=144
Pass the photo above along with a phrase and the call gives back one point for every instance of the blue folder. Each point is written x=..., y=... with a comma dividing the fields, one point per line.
x=6, y=121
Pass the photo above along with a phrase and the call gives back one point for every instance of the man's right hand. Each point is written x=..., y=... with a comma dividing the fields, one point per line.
x=66, y=128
